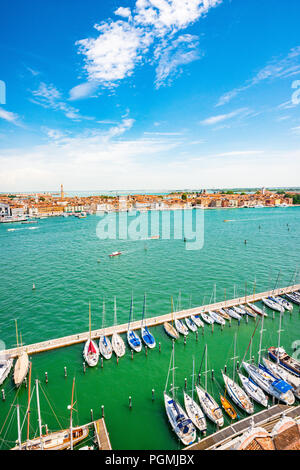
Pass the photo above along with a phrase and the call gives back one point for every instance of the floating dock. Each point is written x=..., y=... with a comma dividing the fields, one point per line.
x=265, y=419
x=102, y=435
x=150, y=322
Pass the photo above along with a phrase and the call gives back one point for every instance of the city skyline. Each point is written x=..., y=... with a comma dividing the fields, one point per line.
x=143, y=94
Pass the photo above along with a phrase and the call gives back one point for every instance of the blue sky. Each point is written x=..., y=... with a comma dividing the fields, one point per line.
x=149, y=94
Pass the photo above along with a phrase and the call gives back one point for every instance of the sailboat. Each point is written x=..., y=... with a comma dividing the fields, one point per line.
x=273, y=305
x=207, y=402
x=91, y=350
x=253, y=390
x=224, y=314
x=5, y=367
x=239, y=309
x=283, y=302
x=207, y=318
x=267, y=381
x=147, y=337
x=132, y=338
x=105, y=346
x=178, y=419
x=193, y=409
x=196, y=319
x=179, y=325
x=217, y=318
x=190, y=324
x=169, y=328
x=250, y=312
x=22, y=363
x=58, y=440
x=235, y=392
x=256, y=309
x=117, y=342
x=227, y=407
x=232, y=313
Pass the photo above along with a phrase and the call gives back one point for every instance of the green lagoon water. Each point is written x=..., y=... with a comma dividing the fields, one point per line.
x=61, y=258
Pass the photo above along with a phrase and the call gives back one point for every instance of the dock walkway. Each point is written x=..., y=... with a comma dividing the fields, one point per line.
x=150, y=322
x=102, y=435
x=266, y=419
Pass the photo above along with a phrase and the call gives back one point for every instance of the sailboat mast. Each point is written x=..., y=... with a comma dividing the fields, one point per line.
x=173, y=373
x=17, y=336
x=39, y=413
x=71, y=413
x=193, y=378
x=19, y=427
x=103, y=315
x=90, y=324
x=115, y=311
x=206, y=367
x=28, y=410
x=279, y=331
x=234, y=352
x=260, y=341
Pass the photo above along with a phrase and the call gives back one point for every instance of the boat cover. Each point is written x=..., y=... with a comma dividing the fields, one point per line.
x=91, y=349
x=281, y=386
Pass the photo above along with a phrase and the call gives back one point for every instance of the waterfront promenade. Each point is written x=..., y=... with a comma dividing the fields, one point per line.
x=150, y=322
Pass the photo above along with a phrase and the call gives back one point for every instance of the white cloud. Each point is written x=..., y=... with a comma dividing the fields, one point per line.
x=124, y=12
x=122, y=45
x=9, y=116
x=181, y=51
x=49, y=97
x=276, y=69
x=113, y=55
x=83, y=90
x=224, y=117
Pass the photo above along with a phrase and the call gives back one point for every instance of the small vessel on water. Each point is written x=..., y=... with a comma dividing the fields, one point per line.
x=22, y=363
x=105, y=346
x=280, y=355
x=272, y=305
x=224, y=314
x=58, y=440
x=283, y=302
x=190, y=324
x=253, y=390
x=285, y=375
x=117, y=342
x=192, y=408
x=240, y=310
x=196, y=319
x=232, y=313
x=256, y=309
x=5, y=367
x=227, y=407
x=115, y=253
x=147, y=337
x=293, y=297
x=250, y=312
x=207, y=402
x=91, y=351
x=217, y=318
x=181, y=424
x=169, y=328
x=207, y=318
x=133, y=339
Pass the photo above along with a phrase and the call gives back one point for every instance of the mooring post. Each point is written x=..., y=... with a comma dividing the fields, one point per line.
x=25, y=382
x=197, y=335
x=237, y=366
x=101, y=362
x=212, y=374
x=46, y=377
x=225, y=368
x=92, y=415
x=117, y=360
x=159, y=347
x=3, y=394
x=212, y=327
x=153, y=396
x=130, y=403
x=102, y=411
x=185, y=383
x=146, y=350
x=199, y=378
x=84, y=367
x=65, y=371
x=132, y=354
x=184, y=341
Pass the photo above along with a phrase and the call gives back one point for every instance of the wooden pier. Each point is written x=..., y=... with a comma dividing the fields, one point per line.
x=265, y=419
x=150, y=322
x=102, y=435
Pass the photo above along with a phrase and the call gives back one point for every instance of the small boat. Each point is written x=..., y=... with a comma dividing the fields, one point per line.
x=240, y=310
x=283, y=302
x=196, y=319
x=217, y=318
x=285, y=375
x=180, y=327
x=273, y=305
x=133, y=339
x=293, y=298
x=21, y=368
x=233, y=313
x=194, y=412
x=147, y=337
x=269, y=383
x=253, y=390
x=178, y=419
x=207, y=318
x=33, y=286
x=5, y=368
x=210, y=406
x=238, y=395
x=288, y=362
x=117, y=342
x=105, y=346
x=171, y=331
x=190, y=324
x=224, y=314
x=91, y=351
x=256, y=309
x=250, y=312
x=227, y=407
x=115, y=253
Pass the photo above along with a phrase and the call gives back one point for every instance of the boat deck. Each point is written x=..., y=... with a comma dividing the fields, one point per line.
x=102, y=435
x=266, y=419
x=150, y=322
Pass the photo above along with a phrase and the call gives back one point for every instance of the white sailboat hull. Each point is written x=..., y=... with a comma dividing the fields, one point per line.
x=181, y=328
x=118, y=345
x=210, y=406
x=254, y=391
x=134, y=341
x=91, y=358
x=21, y=368
x=5, y=368
x=238, y=395
x=191, y=325
x=105, y=347
x=179, y=421
x=197, y=321
x=207, y=318
x=217, y=318
x=194, y=412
